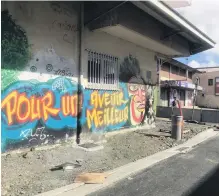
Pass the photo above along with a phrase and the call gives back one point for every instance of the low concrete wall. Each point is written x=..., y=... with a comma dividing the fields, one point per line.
x=210, y=116
x=202, y=115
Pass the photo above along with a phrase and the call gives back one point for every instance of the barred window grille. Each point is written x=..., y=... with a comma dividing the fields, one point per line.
x=102, y=71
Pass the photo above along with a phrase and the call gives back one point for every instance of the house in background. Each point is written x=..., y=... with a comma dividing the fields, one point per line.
x=209, y=80
x=176, y=80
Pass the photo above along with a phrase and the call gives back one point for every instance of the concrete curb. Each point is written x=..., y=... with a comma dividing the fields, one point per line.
x=61, y=190
x=135, y=167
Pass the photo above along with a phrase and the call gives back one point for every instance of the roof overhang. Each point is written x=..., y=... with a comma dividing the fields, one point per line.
x=128, y=34
x=162, y=12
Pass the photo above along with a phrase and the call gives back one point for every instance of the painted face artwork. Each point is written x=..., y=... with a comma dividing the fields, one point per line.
x=138, y=99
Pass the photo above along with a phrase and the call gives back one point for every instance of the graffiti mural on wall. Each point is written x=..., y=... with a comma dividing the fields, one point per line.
x=130, y=73
x=107, y=110
x=25, y=104
x=39, y=101
x=141, y=94
x=53, y=104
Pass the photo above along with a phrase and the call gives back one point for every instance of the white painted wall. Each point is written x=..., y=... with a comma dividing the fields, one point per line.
x=51, y=41
x=106, y=43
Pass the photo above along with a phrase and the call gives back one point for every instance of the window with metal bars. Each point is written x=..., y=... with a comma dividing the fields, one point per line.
x=102, y=71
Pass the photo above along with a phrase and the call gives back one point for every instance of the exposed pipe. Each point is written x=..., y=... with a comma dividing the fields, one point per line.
x=80, y=52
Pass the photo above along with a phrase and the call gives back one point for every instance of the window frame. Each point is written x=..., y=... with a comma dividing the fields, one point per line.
x=108, y=65
x=212, y=84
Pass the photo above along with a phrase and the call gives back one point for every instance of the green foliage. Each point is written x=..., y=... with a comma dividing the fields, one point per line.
x=15, y=48
x=7, y=77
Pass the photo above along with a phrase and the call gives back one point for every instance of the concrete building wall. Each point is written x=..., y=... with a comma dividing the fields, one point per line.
x=208, y=97
x=39, y=65
x=106, y=43
x=134, y=62
x=40, y=77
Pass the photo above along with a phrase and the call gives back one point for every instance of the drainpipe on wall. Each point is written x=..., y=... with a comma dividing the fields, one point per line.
x=80, y=52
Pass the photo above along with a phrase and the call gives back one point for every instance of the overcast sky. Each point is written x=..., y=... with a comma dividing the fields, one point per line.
x=205, y=15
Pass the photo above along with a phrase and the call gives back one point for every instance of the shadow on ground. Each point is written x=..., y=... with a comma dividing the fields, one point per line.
x=209, y=186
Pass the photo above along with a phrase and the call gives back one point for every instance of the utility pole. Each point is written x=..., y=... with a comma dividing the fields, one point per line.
x=194, y=98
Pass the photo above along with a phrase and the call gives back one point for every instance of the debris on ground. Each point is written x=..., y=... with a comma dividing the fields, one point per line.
x=24, y=155
x=186, y=131
x=202, y=123
x=33, y=176
x=79, y=161
x=192, y=121
x=91, y=178
x=32, y=149
x=66, y=166
x=164, y=130
x=8, y=155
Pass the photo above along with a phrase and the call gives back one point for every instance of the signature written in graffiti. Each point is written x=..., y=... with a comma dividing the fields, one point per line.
x=63, y=72
x=39, y=134
x=66, y=26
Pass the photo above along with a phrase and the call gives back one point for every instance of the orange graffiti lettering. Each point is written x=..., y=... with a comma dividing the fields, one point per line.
x=108, y=116
x=23, y=104
x=94, y=99
x=35, y=105
x=65, y=104
x=47, y=103
x=92, y=116
x=100, y=118
x=23, y=109
x=106, y=99
x=10, y=103
x=74, y=101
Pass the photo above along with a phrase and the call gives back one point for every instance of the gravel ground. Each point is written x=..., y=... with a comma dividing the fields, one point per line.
x=30, y=174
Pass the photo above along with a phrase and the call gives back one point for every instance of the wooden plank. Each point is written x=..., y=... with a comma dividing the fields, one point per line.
x=91, y=178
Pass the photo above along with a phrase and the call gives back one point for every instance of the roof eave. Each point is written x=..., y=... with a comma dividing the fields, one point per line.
x=185, y=25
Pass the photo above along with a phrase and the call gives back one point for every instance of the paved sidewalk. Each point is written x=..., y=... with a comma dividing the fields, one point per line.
x=195, y=173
